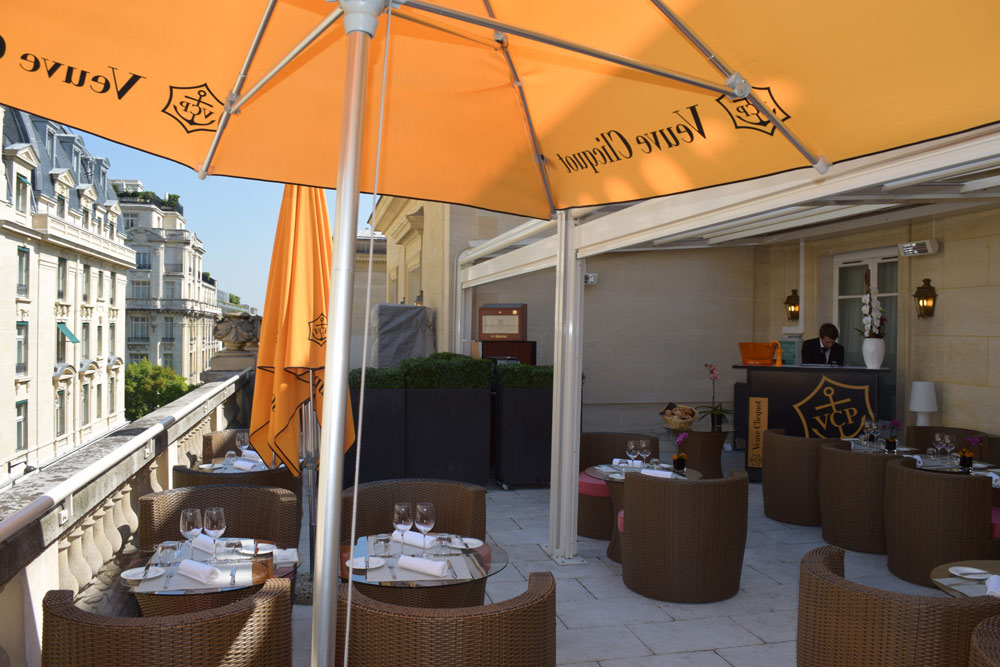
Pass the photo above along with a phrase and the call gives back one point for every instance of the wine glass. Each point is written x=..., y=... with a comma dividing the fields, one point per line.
x=425, y=521
x=215, y=523
x=632, y=449
x=949, y=444
x=190, y=523
x=645, y=449
x=402, y=518
x=938, y=442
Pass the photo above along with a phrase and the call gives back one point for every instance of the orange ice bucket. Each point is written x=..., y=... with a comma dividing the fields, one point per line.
x=758, y=354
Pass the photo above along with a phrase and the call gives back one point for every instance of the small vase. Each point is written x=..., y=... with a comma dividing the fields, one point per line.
x=965, y=463
x=716, y=422
x=873, y=351
x=890, y=445
x=679, y=465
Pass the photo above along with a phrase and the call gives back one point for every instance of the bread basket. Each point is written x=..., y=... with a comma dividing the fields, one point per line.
x=678, y=423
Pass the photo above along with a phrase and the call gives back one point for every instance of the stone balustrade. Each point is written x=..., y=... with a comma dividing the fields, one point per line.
x=72, y=524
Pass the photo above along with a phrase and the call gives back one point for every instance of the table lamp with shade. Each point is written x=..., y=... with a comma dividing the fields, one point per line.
x=923, y=401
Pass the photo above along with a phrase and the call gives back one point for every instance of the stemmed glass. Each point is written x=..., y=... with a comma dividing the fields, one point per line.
x=938, y=443
x=632, y=449
x=190, y=524
x=949, y=444
x=402, y=518
x=644, y=451
x=215, y=524
x=425, y=521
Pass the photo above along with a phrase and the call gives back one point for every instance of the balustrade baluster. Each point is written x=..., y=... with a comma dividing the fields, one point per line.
x=111, y=527
x=91, y=554
x=67, y=580
x=77, y=561
x=101, y=541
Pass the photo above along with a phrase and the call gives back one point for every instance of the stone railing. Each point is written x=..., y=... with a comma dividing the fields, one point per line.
x=71, y=524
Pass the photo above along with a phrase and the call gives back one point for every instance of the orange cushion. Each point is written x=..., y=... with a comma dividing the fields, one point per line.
x=591, y=486
x=621, y=521
x=995, y=524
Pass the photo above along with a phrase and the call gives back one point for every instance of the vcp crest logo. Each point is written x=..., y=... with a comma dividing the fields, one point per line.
x=196, y=108
x=317, y=330
x=746, y=116
x=834, y=410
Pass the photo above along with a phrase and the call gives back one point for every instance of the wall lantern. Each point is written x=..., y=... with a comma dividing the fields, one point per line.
x=792, y=306
x=924, y=297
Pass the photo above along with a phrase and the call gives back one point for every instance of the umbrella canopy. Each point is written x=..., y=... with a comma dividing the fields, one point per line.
x=292, y=353
x=500, y=121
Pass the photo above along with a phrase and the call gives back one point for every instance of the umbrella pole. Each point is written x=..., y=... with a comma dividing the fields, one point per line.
x=309, y=461
x=360, y=22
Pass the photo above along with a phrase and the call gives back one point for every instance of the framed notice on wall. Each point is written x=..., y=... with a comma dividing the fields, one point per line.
x=503, y=321
x=756, y=425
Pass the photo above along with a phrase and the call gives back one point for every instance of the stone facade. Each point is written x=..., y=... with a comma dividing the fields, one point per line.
x=63, y=264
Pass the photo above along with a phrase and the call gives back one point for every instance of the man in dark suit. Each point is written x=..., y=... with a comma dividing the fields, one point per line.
x=825, y=349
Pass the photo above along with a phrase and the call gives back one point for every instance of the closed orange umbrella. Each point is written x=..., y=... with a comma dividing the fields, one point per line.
x=291, y=357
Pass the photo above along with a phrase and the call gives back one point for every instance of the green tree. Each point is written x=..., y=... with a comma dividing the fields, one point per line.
x=233, y=299
x=148, y=387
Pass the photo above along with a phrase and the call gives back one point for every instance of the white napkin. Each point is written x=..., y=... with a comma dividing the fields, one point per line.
x=252, y=455
x=920, y=461
x=658, y=473
x=245, y=465
x=204, y=543
x=285, y=556
x=413, y=538
x=996, y=479
x=993, y=586
x=200, y=572
x=437, y=568
x=626, y=463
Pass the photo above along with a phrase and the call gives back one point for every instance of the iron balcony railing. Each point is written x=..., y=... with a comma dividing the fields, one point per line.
x=138, y=339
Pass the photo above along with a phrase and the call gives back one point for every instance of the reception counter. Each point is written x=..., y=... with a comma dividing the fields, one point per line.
x=810, y=401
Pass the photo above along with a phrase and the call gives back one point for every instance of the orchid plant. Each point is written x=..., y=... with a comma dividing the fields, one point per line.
x=893, y=425
x=872, y=320
x=714, y=408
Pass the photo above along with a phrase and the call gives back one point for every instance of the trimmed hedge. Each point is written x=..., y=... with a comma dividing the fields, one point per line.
x=523, y=376
x=376, y=378
x=446, y=370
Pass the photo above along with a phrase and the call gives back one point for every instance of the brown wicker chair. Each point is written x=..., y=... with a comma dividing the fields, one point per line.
x=922, y=437
x=255, y=631
x=280, y=478
x=790, y=477
x=214, y=445
x=932, y=518
x=845, y=623
x=595, y=514
x=704, y=451
x=519, y=631
x=984, y=649
x=991, y=450
x=852, y=497
x=684, y=540
x=261, y=512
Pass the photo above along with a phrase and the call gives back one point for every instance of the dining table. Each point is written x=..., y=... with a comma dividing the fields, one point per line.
x=614, y=476
x=965, y=578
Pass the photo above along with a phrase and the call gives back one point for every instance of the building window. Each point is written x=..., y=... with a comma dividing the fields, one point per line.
x=23, y=262
x=138, y=329
x=61, y=279
x=84, y=405
x=130, y=219
x=86, y=216
x=21, y=425
x=61, y=412
x=21, y=194
x=60, y=346
x=86, y=283
x=140, y=289
x=169, y=289
x=61, y=206
x=100, y=284
x=168, y=329
x=142, y=260
x=100, y=340
x=85, y=337
x=168, y=359
x=114, y=288
x=98, y=401
x=112, y=346
x=111, y=395
x=22, y=349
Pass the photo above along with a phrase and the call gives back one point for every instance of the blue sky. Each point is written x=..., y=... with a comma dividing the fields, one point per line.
x=234, y=218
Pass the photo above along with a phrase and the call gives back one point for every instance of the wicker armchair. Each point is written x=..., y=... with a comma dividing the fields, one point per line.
x=280, y=478
x=845, y=623
x=214, y=445
x=790, y=477
x=704, y=451
x=684, y=540
x=255, y=631
x=595, y=514
x=922, y=437
x=852, y=497
x=251, y=511
x=519, y=631
x=984, y=649
x=932, y=518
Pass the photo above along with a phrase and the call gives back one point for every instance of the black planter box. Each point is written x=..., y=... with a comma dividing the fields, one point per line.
x=384, y=435
x=522, y=436
x=448, y=434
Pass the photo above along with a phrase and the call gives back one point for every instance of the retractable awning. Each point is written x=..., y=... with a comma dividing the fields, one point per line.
x=66, y=332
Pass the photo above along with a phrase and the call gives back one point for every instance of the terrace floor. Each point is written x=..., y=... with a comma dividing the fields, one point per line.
x=601, y=622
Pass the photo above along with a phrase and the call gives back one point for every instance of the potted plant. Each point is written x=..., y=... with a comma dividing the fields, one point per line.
x=715, y=410
x=965, y=457
x=680, y=461
x=873, y=326
x=522, y=424
x=891, y=442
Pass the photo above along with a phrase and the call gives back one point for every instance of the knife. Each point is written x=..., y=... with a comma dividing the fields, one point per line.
x=454, y=575
x=232, y=576
x=156, y=555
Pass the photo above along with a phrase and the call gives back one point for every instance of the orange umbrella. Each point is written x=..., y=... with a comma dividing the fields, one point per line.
x=291, y=356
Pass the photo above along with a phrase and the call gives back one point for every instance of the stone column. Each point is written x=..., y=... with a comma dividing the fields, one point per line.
x=119, y=498
x=101, y=541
